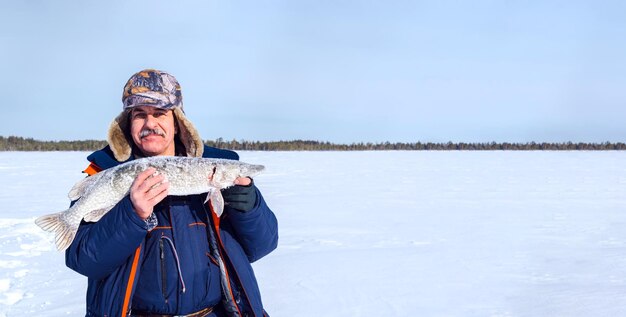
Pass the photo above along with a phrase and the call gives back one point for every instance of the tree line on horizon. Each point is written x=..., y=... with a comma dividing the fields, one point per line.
x=15, y=143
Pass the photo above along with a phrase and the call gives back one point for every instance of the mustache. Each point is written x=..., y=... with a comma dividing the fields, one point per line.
x=147, y=132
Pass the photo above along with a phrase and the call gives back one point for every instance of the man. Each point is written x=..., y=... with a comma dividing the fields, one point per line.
x=160, y=255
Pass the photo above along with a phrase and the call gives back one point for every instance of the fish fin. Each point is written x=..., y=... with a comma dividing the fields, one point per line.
x=216, y=201
x=78, y=190
x=95, y=215
x=64, y=232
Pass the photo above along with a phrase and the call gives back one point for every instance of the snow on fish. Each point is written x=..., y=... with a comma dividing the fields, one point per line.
x=97, y=194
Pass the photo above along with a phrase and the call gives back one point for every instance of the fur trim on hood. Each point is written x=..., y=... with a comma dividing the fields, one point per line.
x=122, y=143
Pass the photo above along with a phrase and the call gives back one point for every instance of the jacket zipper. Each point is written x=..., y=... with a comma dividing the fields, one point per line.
x=163, y=275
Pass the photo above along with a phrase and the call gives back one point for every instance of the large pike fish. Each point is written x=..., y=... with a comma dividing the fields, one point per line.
x=97, y=194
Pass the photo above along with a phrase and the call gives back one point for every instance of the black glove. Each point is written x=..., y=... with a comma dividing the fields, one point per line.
x=242, y=198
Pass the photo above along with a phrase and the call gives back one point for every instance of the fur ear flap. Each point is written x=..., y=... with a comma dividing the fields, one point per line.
x=188, y=134
x=117, y=138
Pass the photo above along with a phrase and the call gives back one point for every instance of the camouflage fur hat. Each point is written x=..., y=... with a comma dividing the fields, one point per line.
x=158, y=89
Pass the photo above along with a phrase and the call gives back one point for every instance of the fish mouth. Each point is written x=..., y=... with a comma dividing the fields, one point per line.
x=257, y=169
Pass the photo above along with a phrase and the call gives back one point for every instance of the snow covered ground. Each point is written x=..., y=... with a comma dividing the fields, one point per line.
x=379, y=234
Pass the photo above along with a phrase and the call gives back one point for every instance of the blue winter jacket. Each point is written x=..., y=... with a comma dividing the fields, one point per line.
x=113, y=251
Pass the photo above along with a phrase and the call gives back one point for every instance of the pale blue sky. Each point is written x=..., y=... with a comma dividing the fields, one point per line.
x=339, y=71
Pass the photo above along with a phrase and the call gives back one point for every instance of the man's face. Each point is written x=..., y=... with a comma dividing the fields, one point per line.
x=153, y=130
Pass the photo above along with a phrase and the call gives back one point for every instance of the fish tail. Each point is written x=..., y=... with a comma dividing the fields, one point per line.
x=64, y=232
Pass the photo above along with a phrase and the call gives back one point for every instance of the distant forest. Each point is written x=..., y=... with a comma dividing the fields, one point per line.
x=14, y=143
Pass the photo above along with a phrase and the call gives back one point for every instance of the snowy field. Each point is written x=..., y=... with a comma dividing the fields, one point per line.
x=379, y=234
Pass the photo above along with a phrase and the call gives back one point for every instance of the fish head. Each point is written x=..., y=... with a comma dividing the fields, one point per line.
x=250, y=170
x=224, y=174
